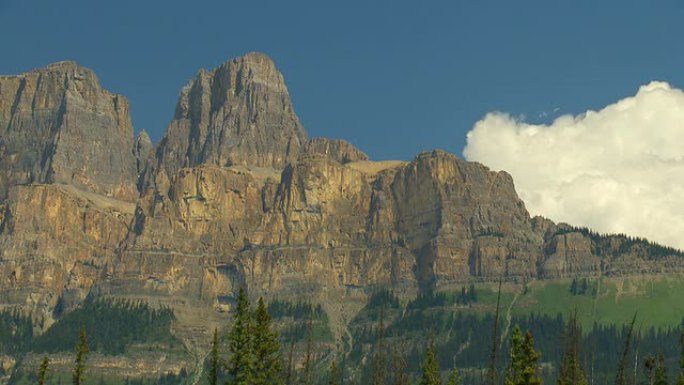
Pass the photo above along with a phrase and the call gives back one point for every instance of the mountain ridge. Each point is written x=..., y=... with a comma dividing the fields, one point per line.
x=236, y=194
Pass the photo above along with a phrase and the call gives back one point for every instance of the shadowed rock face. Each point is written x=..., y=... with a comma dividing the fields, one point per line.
x=57, y=125
x=235, y=194
x=238, y=114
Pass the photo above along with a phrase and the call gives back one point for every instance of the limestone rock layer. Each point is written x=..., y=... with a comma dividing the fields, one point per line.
x=57, y=125
x=238, y=114
x=236, y=194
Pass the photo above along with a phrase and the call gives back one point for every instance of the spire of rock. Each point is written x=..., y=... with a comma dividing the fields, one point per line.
x=238, y=114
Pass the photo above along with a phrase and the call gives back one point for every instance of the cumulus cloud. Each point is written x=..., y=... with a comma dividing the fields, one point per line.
x=617, y=170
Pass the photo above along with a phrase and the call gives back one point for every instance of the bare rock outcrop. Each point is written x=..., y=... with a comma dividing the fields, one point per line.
x=338, y=149
x=56, y=241
x=238, y=114
x=57, y=125
x=235, y=194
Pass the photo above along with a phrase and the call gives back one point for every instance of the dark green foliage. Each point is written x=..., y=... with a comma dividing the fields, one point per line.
x=615, y=245
x=16, y=332
x=523, y=365
x=241, y=342
x=573, y=287
x=299, y=310
x=464, y=339
x=113, y=325
x=428, y=299
x=172, y=379
x=467, y=296
x=472, y=294
x=430, y=373
x=81, y=357
x=308, y=359
x=297, y=314
x=42, y=371
x=492, y=370
x=660, y=375
x=383, y=298
x=680, y=378
x=214, y=359
x=268, y=361
x=454, y=377
x=333, y=374
x=379, y=358
x=570, y=370
x=620, y=377
x=580, y=287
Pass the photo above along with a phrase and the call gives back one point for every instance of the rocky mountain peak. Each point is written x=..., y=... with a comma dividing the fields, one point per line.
x=46, y=117
x=238, y=114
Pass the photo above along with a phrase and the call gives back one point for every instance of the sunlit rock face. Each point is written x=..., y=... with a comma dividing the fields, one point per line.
x=59, y=126
x=237, y=195
x=238, y=114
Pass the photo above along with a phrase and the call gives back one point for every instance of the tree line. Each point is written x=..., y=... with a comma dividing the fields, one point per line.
x=256, y=356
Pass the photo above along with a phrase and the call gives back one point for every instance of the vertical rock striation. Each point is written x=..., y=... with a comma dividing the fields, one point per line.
x=238, y=114
x=57, y=125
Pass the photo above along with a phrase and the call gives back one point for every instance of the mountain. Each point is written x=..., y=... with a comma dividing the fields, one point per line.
x=59, y=126
x=236, y=194
x=238, y=114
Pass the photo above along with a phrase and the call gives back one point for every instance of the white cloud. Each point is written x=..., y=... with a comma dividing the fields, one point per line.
x=617, y=170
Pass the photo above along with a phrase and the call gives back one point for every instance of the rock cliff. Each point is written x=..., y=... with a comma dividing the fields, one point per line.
x=238, y=114
x=235, y=194
x=59, y=126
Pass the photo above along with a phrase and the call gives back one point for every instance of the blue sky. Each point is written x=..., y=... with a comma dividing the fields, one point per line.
x=393, y=77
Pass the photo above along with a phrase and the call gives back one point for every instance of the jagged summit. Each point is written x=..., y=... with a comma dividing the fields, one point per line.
x=238, y=114
x=237, y=195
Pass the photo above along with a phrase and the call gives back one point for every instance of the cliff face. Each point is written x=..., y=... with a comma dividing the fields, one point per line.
x=235, y=194
x=57, y=241
x=238, y=114
x=59, y=126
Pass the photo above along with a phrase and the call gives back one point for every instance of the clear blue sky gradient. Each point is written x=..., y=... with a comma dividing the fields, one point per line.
x=393, y=77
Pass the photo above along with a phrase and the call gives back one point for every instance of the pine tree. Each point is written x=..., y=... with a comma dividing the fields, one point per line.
x=660, y=377
x=333, y=374
x=454, y=377
x=570, y=371
x=241, y=368
x=585, y=287
x=532, y=356
x=268, y=365
x=214, y=359
x=492, y=371
x=430, y=367
x=516, y=362
x=523, y=365
x=620, y=377
x=42, y=371
x=472, y=294
x=81, y=356
x=650, y=365
x=573, y=286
